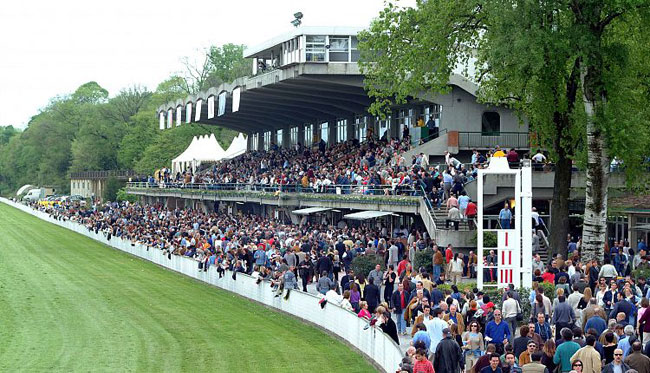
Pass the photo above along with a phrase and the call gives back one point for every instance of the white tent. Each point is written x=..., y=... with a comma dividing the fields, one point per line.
x=24, y=189
x=201, y=149
x=237, y=146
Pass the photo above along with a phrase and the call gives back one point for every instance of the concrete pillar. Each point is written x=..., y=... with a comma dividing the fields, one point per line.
x=632, y=234
x=249, y=142
x=331, y=129
x=286, y=137
x=301, y=134
x=393, y=130
x=373, y=125
x=351, y=129
x=260, y=141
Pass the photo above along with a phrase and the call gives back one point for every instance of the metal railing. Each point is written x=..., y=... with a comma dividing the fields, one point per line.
x=120, y=174
x=377, y=190
x=486, y=140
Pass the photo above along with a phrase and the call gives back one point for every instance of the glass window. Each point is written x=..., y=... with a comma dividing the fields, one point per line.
x=490, y=123
x=342, y=130
x=278, y=137
x=339, y=48
x=309, y=134
x=315, y=48
x=354, y=52
x=294, y=135
x=324, y=132
x=362, y=127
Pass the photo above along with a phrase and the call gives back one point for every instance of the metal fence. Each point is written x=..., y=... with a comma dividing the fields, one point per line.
x=119, y=174
x=482, y=140
x=379, y=190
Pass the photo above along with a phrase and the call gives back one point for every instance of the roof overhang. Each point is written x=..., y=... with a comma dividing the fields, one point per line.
x=365, y=215
x=310, y=210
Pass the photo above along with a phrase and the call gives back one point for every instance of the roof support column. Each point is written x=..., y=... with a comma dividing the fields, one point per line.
x=301, y=134
x=260, y=141
x=249, y=142
x=331, y=132
x=351, y=129
x=286, y=137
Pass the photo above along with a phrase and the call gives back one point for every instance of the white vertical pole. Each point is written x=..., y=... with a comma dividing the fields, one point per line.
x=526, y=225
x=516, y=268
x=479, y=230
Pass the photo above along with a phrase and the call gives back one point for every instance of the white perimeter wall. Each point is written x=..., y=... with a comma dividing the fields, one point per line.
x=373, y=342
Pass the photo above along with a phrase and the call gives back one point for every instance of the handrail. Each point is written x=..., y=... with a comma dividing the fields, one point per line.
x=378, y=190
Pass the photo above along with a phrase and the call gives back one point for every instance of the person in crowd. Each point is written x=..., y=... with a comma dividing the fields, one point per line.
x=565, y=350
x=510, y=364
x=364, y=313
x=637, y=360
x=535, y=366
x=563, y=316
x=398, y=303
x=421, y=336
x=520, y=344
x=588, y=357
x=435, y=328
x=617, y=365
x=422, y=364
x=510, y=309
x=448, y=355
x=495, y=364
x=497, y=332
x=473, y=344
x=526, y=356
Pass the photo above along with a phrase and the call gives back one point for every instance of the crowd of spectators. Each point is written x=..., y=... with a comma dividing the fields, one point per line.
x=596, y=319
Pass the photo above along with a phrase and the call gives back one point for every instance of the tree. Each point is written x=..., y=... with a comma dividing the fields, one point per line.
x=413, y=51
x=607, y=74
x=528, y=55
x=227, y=63
x=111, y=189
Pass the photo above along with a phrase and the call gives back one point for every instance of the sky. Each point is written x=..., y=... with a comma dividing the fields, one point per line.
x=50, y=48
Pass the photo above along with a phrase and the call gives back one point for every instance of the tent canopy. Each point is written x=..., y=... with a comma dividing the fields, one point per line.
x=207, y=149
x=364, y=215
x=310, y=210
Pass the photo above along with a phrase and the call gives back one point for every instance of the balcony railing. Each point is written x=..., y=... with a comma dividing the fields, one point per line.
x=485, y=140
x=94, y=175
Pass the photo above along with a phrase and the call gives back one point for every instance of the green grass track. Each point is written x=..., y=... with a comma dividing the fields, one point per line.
x=68, y=303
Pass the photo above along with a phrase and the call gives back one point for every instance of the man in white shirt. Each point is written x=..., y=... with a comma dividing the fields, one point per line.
x=510, y=309
x=435, y=327
x=574, y=298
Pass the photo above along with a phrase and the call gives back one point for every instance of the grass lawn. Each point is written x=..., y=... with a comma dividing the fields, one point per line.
x=68, y=303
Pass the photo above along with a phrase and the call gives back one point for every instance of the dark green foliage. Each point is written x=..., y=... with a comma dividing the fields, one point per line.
x=87, y=131
x=424, y=258
x=122, y=195
x=363, y=264
x=111, y=188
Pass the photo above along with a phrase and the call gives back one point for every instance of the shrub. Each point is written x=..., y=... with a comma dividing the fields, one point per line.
x=366, y=263
x=548, y=289
x=123, y=196
x=641, y=273
x=424, y=258
x=489, y=239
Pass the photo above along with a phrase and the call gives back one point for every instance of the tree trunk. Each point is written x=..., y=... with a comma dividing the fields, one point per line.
x=559, y=227
x=594, y=229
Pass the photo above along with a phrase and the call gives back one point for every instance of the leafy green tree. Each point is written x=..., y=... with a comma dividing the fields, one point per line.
x=528, y=56
x=111, y=189
x=227, y=63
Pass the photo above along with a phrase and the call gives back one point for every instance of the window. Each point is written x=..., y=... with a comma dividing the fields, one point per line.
x=278, y=137
x=256, y=141
x=361, y=123
x=309, y=134
x=293, y=135
x=324, y=132
x=383, y=127
x=341, y=130
x=267, y=140
x=354, y=52
x=490, y=123
x=339, y=48
x=315, y=48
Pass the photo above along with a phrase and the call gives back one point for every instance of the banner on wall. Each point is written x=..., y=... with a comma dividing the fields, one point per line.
x=188, y=112
x=197, y=116
x=161, y=118
x=235, y=99
x=170, y=118
x=210, y=107
x=179, y=115
x=222, y=103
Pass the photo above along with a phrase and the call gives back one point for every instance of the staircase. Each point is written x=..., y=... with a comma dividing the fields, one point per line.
x=440, y=217
x=543, y=246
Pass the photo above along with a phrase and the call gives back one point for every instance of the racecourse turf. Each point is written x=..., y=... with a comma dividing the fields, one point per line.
x=68, y=303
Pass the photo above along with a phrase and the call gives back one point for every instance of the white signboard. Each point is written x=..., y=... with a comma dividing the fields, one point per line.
x=210, y=107
x=222, y=103
x=235, y=99
x=188, y=112
x=161, y=117
x=197, y=116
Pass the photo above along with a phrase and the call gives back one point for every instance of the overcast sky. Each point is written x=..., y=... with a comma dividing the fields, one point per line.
x=50, y=48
